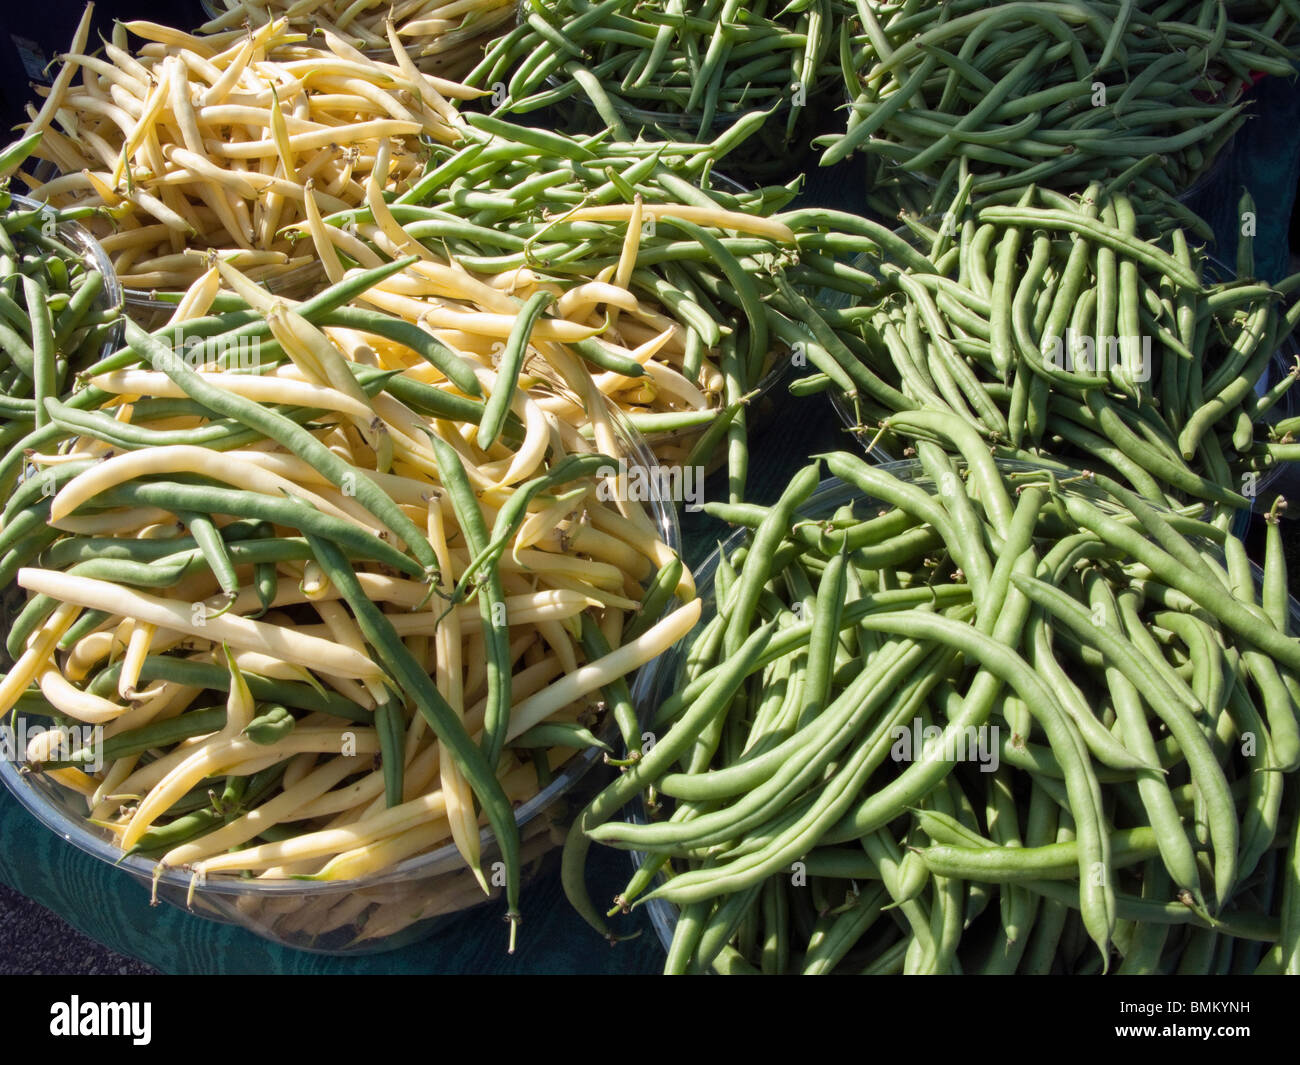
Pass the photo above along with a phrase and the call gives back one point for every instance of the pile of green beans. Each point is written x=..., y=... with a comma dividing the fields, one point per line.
x=678, y=69
x=1056, y=93
x=501, y=204
x=504, y=172
x=1052, y=328
x=498, y=200
x=957, y=715
x=56, y=311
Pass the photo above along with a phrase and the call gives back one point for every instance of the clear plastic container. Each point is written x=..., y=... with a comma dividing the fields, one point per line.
x=663, y=677
x=151, y=310
x=1209, y=174
x=377, y=913
x=92, y=254
x=892, y=190
x=449, y=55
x=779, y=149
x=673, y=447
x=80, y=239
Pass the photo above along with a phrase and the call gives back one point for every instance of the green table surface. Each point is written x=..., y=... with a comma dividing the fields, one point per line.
x=110, y=907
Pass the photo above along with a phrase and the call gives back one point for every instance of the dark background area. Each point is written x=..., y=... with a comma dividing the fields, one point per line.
x=34, y=942
x=32, y=32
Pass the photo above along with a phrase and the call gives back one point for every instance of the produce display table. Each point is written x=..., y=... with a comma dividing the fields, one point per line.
x=113, y=909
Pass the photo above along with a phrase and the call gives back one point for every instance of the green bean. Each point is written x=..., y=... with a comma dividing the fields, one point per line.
x=89, y=621
x=662, y=755
x=429, y=348
x=559, y=734
x=1093, y=852
x=861, y=700
x=1276, y=600
x=272, y=724
x=828, y=613
x=390, y=724
x=217, y=678
x=807, y=821
x=43, y=371
x=1148, y=942
x=1213, y=786
x=13, y=155
x=618, y=697
x=293, y=513
x=722, y=926
x=657, y=597
x=1215, y=600
x=987, y=480
x=292, y=436
x=492, y=608
x=742, y=282
x=415, y=682
x=1260, y=823
x=1103, y=746
x=160, y=839
x=512, y=359
x=1248, y=360
x=945, y=829
x=1166, y=467
x=1055, y=861
x=214, y=551
x=826, y=951
x=1175, y=848
x=220, y=435
x=861, y=377
x=775, y=955
x=1242, y=925
x=686, y=938
x=427, y=399
x=37, y=489
x=770, y=533
x=1146, y=254
x=78, y=307
x=735, y=779
x=146, y=737
x=1279, y=708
